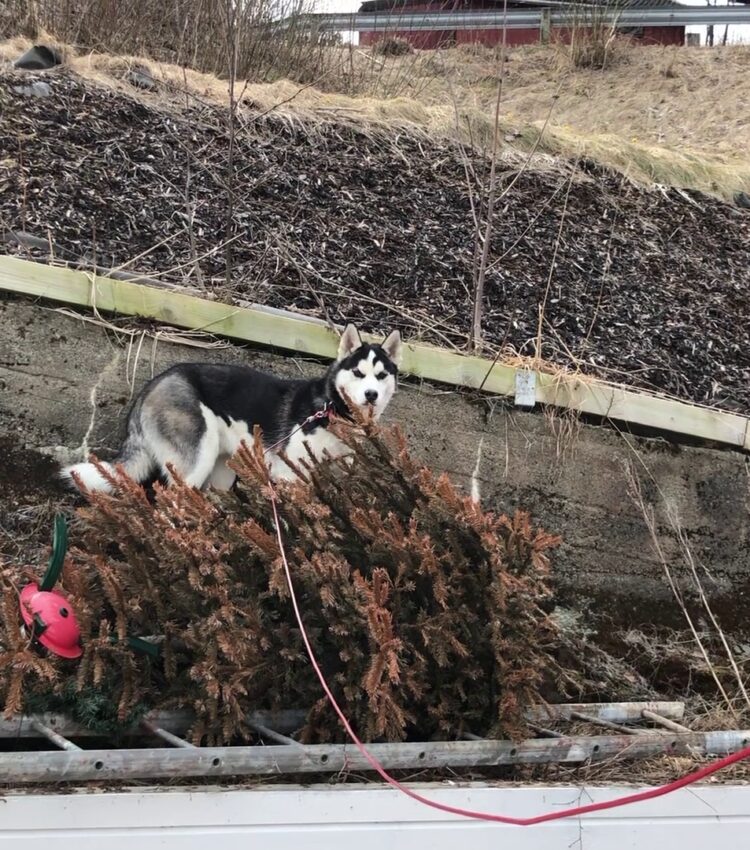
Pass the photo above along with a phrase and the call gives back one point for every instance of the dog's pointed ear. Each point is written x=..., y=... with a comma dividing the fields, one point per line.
x=393, y=347
x=350, y=341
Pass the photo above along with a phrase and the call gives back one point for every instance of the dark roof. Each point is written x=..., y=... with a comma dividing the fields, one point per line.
x=464, y=5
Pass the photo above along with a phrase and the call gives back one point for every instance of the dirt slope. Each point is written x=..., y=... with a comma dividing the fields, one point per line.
x=675, y=116
x=649, y=287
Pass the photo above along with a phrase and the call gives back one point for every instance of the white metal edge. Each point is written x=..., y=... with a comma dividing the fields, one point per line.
x=288, y=805
x=367, y=818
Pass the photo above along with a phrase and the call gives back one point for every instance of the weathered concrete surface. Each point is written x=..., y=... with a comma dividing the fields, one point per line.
x=66, y=383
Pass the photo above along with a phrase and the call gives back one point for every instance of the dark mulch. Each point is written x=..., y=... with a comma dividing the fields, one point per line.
x=649, y=287
x=30, y=494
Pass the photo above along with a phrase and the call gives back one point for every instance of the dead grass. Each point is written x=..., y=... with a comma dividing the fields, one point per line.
x=724, y=664
x=666, y=115
x=216, y=36
x=593, y=39
x=392, y=47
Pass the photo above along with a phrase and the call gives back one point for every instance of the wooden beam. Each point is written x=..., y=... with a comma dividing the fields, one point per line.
x=664, y=721
x=614, y=712
x=278, y=329
x=85, y=289
x=168, y=763
x=662, y=414
x=608, y=724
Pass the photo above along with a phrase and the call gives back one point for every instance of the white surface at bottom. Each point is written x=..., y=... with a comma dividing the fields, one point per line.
x=367, y=818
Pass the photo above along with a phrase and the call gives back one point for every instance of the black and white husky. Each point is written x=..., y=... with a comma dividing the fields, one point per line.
x=195, y=415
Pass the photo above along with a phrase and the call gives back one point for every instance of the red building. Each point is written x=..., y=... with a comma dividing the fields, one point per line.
x=433, y=39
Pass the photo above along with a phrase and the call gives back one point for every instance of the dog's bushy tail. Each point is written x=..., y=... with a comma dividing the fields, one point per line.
x=133, y=457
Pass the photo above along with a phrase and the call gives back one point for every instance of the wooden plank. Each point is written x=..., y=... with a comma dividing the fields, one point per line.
x=664, y=414
x=615, y=712
x=54, y=251
x=262, y=327
x=289, y=720
x=359, y=816
x=174, y=308
x=607, y=724
x=125, y=765
x=271, y=328
x=664, y=721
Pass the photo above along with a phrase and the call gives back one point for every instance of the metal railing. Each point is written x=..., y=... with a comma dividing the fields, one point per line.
x=558, y=16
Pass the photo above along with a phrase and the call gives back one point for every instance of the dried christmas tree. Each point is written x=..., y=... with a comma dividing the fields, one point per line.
x=425, y=612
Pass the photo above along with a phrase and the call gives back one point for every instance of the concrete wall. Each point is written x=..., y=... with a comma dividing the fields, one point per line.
x=65, y=384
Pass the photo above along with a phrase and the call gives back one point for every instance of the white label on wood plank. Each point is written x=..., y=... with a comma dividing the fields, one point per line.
x=525, y=389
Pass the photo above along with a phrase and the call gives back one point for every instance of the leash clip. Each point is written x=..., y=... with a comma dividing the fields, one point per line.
x=324, y=413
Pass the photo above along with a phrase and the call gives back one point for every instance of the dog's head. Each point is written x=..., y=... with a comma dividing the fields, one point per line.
x=366, y=373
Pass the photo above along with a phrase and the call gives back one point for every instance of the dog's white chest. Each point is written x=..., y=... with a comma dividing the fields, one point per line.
x=232, y=434
x=321, y=443
x=225, y=438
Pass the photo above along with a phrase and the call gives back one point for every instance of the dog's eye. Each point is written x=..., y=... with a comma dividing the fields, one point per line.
x=381, y=376
x=357, y=373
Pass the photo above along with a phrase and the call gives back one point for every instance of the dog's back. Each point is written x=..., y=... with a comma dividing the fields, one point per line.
x=231, y=392
x=193, y=417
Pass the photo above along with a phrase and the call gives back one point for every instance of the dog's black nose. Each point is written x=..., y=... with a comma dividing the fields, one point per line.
x=371, y=396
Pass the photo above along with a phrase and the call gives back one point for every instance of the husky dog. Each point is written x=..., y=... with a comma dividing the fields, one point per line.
x=195, y=415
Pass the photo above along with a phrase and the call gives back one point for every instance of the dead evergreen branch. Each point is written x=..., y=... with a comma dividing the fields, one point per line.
x=403, y=581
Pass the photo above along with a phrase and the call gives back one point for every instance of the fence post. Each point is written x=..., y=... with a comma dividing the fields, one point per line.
x=545, y=26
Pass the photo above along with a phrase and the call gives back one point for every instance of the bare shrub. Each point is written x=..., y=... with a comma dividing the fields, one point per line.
x=17, y=17
x=271, y=40
x=392, y=47
x=255, y=40
x=592, y=37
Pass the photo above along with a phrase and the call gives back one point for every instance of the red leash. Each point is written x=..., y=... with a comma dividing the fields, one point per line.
x=627, y=800
x=326, y=412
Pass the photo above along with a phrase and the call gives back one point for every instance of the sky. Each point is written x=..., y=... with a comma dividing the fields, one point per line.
x=737, y=34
